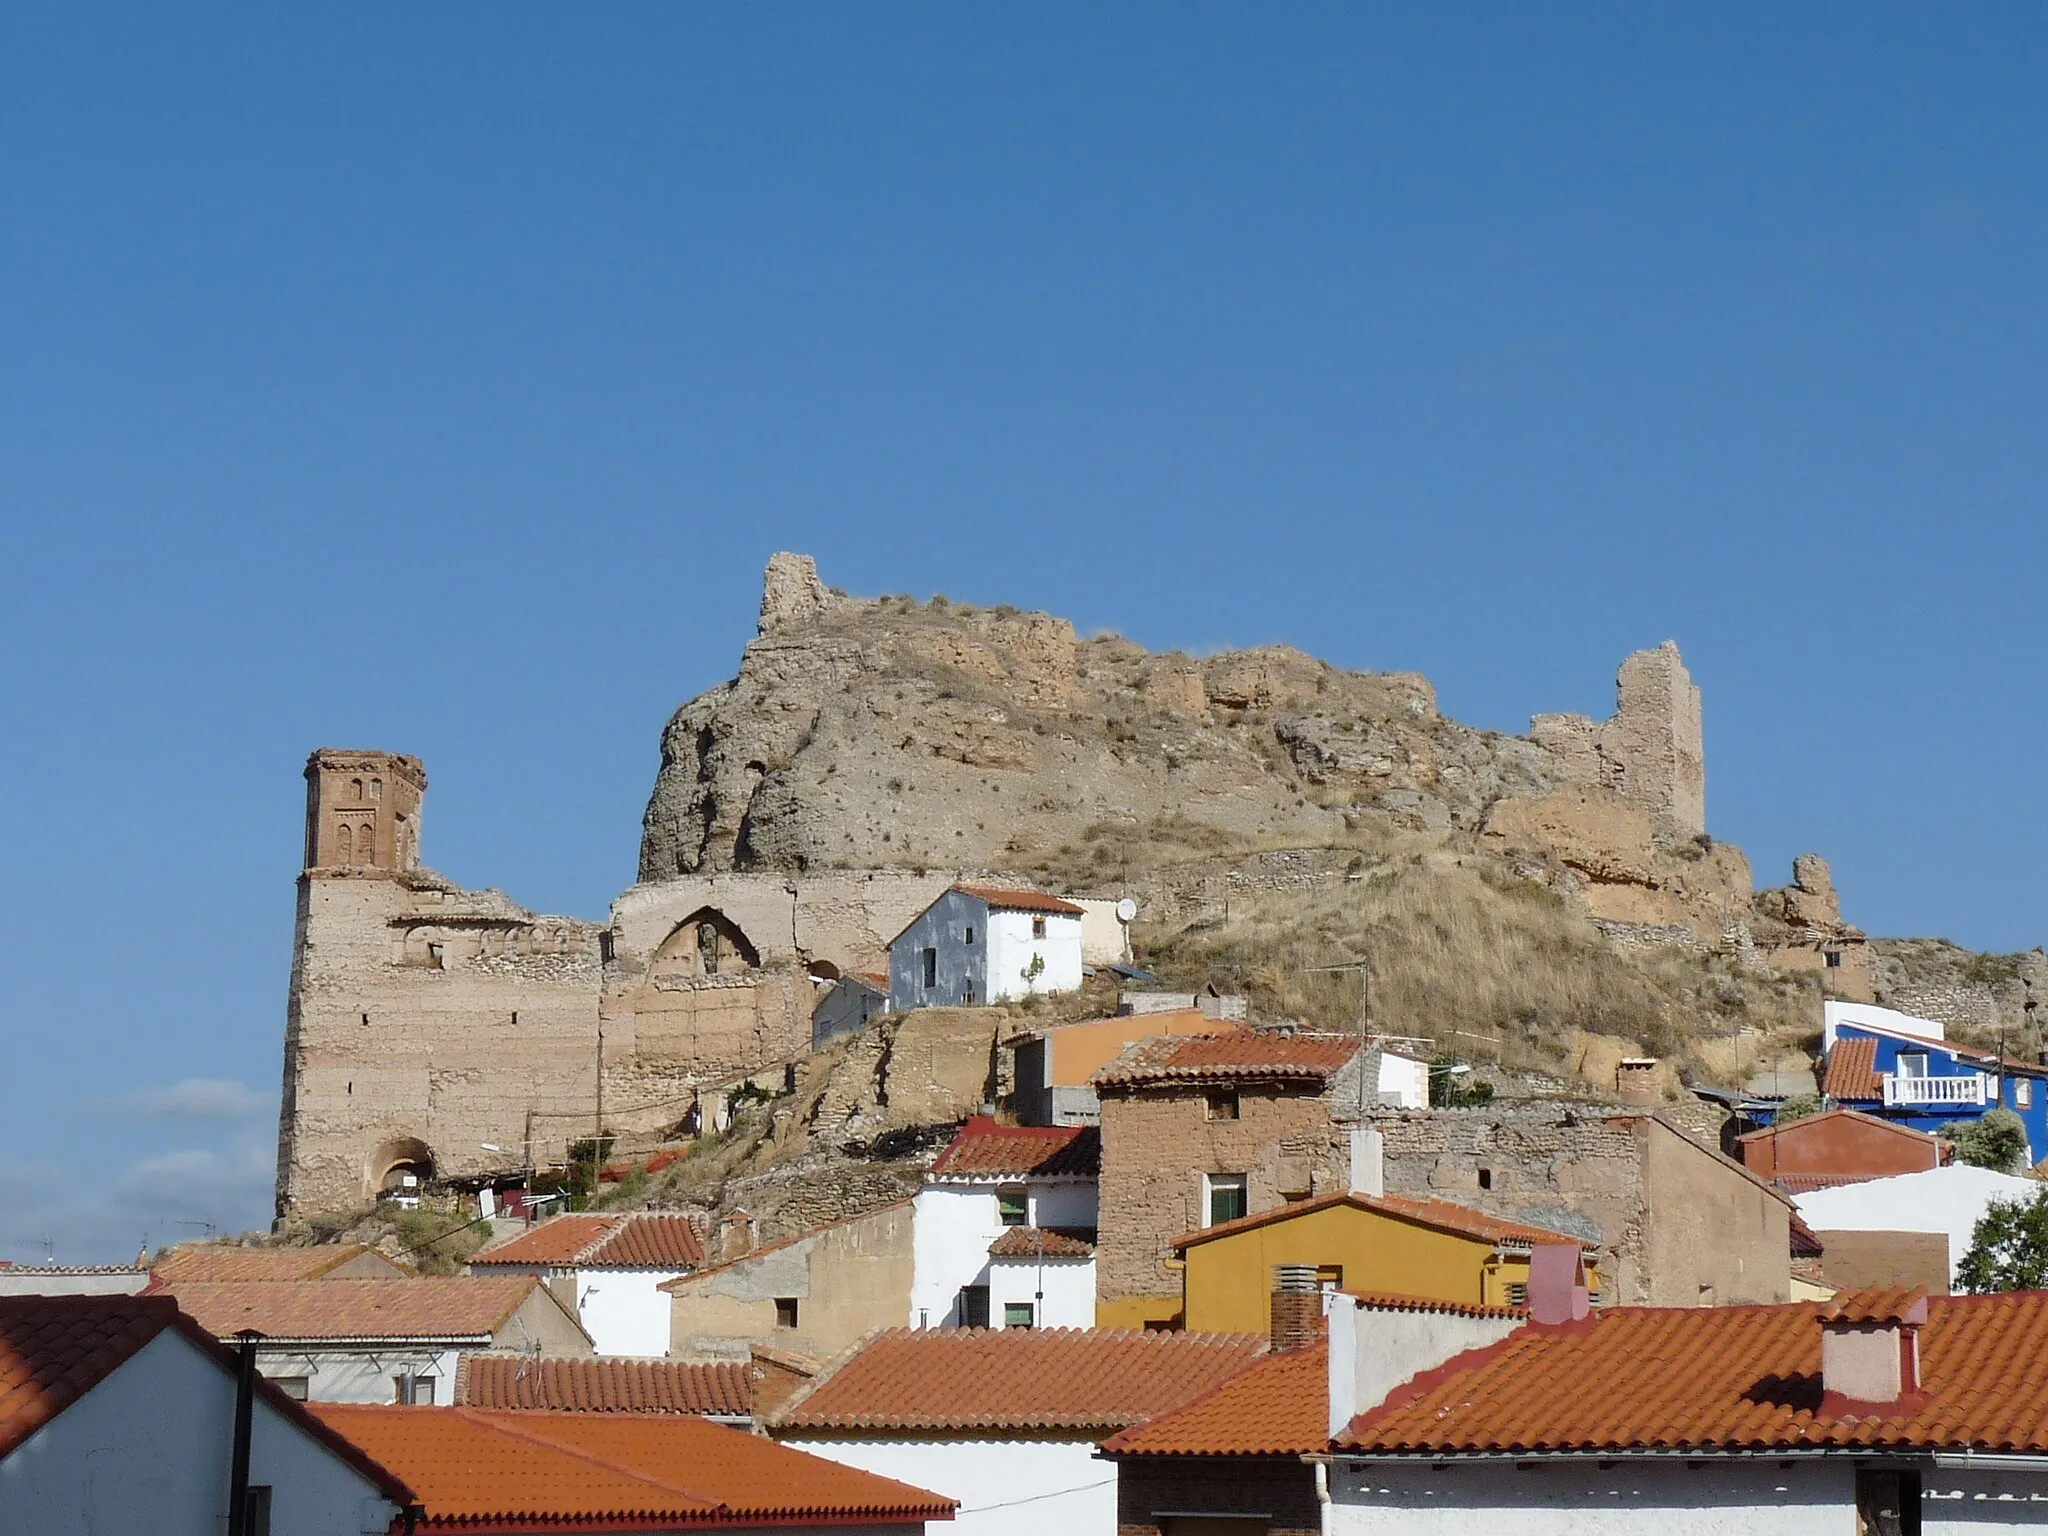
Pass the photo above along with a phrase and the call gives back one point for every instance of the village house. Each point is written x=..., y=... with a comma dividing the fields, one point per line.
x=1004, y=1229
x=1910, y=1224
x=564, y=1474
x=847, y=1005
x=721, y=1390
x=978, y=944
x=812, y=1295
x=1054, y=1067
x=1838, y=1146
x=610, y=1269
x=1902, y=1069
x=118, y=1415
x=71, y=1279
x=381, y=1341
x=1005, y=1421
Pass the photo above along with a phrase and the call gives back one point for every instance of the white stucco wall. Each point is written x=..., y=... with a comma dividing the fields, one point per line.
x=1404, y=1081
x=146, y=1453
x=1005, y=1487
x=364, y=1375
x=952, y=1226
x=1951, y=1200
x=1011, y=950
x=624, y=1311
x=1067, y=1287
x=1870, y=1016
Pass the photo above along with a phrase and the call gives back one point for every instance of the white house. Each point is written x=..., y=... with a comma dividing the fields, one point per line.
x=1950, y=1200
x=977, y=945
x=1006, y=1420
x=382, y=1341
x=1003, y=1231
x=616, y=1266
x=117, y=1418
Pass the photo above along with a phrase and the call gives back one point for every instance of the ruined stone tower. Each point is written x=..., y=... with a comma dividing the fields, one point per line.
x=1651, y=754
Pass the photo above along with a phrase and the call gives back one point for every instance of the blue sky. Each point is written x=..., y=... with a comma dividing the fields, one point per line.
x=440, y=380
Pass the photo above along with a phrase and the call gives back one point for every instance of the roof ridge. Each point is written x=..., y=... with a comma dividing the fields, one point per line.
x=1263, y=1359
x=490, y=1418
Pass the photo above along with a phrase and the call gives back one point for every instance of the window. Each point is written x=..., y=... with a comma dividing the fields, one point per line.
x=1486, y=1178
x=970, y=933
x=1017, y=1314
x=1888, y=1503
x=1913, y=1064
x=294, y=1387
x=376, y=789
x=1013, y=1205
x=413, y=1389
x=1226, y=1197
x=2022, y=1092
x=1223, y=1104
x=1518, y=1293
x=931, y=967
x=973, y=1306
x=256, y=1512
x=1038, y=927
x=1834, y=959
x=785, y=1311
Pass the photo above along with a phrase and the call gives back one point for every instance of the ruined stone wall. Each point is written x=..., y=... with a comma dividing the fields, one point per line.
x=1651, y=754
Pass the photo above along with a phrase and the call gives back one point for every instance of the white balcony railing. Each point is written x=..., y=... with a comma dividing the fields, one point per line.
x=1907, y=1091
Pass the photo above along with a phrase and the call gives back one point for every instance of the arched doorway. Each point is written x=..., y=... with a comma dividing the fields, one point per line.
x=400, y=1169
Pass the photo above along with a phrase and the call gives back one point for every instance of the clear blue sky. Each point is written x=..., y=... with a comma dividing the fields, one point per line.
x=439, y=379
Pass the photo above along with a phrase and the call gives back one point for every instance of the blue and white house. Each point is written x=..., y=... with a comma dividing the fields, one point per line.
x=1902, y=1068
x=978, y=945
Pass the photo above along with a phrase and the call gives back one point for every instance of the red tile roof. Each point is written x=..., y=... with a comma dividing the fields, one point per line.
x=609, y=1385
x=645, y=1472
x=979, y=1380
x=207, y=1263
x=1878, y=1304
x=1720, y=1379
x=1237, y=1055
x=1279, y=1406
x=1018, y=901
x=1037, y=1243
x=55, y=1349
x=1852, y=1070
x=984, y=1149
x=636, y=1240
x=1805, y=1242
x=1440, y=1214
x=442, y=1307
x=1383, y=1301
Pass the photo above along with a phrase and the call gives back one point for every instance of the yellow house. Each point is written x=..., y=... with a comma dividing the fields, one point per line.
x=1365, y=1244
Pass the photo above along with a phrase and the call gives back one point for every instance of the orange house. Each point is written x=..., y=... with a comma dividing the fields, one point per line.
x=1054, y=1065
x=1839, y=1146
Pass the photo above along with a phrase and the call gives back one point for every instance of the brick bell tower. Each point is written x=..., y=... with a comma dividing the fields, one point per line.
x=363, y=812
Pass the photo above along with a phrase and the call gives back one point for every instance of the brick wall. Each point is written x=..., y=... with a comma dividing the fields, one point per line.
x=1150, y=1487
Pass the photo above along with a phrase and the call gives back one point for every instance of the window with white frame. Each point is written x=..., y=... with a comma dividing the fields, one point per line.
x=1227, y=1197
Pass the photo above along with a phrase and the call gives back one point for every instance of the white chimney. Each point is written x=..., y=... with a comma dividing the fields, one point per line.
x=1368, y=1160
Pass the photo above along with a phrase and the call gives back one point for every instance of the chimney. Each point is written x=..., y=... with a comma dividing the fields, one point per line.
x=1870, y=1353
x=1297, y=1307
x=1368, y=1160
x=1635, y=1080
x=1557, y=1284
x=735, y=1237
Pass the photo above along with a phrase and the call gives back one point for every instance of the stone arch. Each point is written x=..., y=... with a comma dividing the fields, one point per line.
x=344, y=846
x=366, y=844
x=355, y=790
x=376, y=789
x=706, y=943
x=393, y=1160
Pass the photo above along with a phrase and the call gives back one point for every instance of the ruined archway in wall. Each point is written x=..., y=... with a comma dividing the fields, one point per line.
x=706, y=943
x=393, y=1161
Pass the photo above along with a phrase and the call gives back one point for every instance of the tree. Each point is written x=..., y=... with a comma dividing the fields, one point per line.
x=1799, y=1107
x=1998, y=1141
x=2009, y=1248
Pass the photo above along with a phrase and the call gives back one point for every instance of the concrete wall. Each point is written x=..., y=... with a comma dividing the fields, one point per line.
x=1005, y=1487
x=1713, y=1237
x=624, y=1311
x=146, y=1453
x=366, y=1375
x=1157, y=1494
x=1060, y=1292
x=1949, y=1200
x=1013, y=952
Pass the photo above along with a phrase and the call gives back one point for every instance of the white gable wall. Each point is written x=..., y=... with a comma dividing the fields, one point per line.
x=1005, y=1487
x=1061, y=1291
x=365, y=1374
x=624, y=1311
x=146, y=1452
x=952, y=1226
x=1012, y=949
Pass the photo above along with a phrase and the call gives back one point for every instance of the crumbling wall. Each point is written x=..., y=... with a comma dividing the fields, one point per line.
x=1651, y=753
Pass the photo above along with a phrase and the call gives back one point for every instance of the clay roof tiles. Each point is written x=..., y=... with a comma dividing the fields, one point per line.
x=984, y=1148
x=1441, y=1214
x=638, y=1240
x=1235, y=1055
x=1001, y=900
x=1039, y=1242
x=1279, y=1406
x=1852, y=1070
x=605, y=1385
x=1385, y=1301
x=1731, y=1379
x=978, y=1380
x=471, y=1469
x=442, y=1307
x=225, y=1263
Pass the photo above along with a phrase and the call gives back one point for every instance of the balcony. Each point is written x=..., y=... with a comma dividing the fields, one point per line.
x=1938, y=1092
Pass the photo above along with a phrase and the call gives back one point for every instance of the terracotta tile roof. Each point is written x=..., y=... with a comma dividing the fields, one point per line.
x=1039, y=1242
x=1001, y=1380
x=450, y=1307
x=227, y=1263
x=1384, y=1301
x=1440, y=1214
x=1878, y=1304
x=55, y=1349
x=1279, y=1406
x=1807, y=1183
x=1237, y=1055
x=1018, y=901
x=636, y=1240
x=609, y=1385
x=471, y=1468
x=1852, y=1070
x=1805, y=1243
x=1720, y=1379
x=984, y=1149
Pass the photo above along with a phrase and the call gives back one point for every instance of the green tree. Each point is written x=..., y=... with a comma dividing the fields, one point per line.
x=2009, y=1248
x=1799, y=1107
x=1998, y=1141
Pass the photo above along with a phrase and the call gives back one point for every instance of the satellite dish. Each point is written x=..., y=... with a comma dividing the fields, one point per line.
x=1126, y=910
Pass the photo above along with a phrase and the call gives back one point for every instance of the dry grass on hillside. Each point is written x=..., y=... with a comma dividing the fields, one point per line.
x=1487, y=964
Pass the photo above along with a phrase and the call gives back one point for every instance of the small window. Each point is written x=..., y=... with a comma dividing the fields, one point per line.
x=970, y=933
x=973, y=1306
x=294, y=1387
x=413, y=1389
x=931, y=967
x=1834, y=959
x=1227, y=1197
x=1518, y=1293
x=1329, y=1277
x=376, y=789
x=785, y=1311
x=1912, y=1064
x=1038, y=927
x=1486, y=1178
x=2022, y=1092
x=1223, y=1104
x=1013, y=1205
x=256, y=1513
x=1017, y=1314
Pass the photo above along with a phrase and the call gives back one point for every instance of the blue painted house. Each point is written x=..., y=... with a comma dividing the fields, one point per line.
x=1899, y=1068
